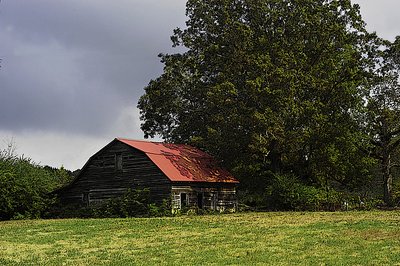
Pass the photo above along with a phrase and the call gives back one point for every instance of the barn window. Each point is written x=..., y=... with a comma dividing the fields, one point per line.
x=184, y=202
x=118, y=162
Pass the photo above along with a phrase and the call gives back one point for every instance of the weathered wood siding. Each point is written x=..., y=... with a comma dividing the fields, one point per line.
x=207, y=196
x=119, y=167
x=112, y=171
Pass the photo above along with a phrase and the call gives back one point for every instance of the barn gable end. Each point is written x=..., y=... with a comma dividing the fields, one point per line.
x=101, y=179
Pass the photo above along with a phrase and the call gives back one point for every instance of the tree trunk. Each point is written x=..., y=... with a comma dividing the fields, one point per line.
x=387, y=181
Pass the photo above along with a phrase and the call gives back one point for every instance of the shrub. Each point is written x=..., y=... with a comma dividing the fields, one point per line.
x=133, y=203
x=252, y=201
x=288, y=193
x=24, y=188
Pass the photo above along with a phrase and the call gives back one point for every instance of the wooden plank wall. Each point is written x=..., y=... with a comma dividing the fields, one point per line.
x=215, y=196
x=101, y=179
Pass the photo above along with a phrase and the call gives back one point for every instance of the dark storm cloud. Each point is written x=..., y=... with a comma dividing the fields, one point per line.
x=74, y=65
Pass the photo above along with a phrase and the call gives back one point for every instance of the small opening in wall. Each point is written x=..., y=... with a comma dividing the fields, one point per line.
x=86, y=198
x=200, y=200
x=118, y=162
x=183, y=200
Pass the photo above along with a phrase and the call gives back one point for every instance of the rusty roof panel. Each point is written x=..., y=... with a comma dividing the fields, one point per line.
x=182, y=162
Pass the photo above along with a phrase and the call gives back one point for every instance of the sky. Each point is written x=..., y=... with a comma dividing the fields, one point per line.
x=72, y=71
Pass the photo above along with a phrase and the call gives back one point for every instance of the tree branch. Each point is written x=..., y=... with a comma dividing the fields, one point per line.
x=369, y=152
x=394, y=145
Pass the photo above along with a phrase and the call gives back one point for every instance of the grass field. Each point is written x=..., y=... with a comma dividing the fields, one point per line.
x=341, y=238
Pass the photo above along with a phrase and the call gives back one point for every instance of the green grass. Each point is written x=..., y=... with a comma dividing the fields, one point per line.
x=342, y=238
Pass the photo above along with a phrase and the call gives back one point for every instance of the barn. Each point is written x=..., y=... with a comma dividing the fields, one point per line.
x=185, y=175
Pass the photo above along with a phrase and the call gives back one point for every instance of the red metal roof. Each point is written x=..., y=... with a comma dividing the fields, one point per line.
x=182, y=162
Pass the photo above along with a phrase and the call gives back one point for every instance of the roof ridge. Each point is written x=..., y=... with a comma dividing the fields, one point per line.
x=157, y=142
x=141, y=140
x=168, y=153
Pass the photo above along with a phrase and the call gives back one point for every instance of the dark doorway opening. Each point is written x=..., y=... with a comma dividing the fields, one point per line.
x=183, y=200
x=86, y=198
x=200, y=200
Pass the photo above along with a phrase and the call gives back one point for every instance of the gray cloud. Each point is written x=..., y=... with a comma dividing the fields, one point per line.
x=73, y=65
x=381, y=16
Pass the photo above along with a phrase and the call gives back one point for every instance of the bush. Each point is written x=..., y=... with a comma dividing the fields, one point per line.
x=24, y=188
x=252, y=201
x=133, y=203
x=356, y=202
x=288, y=193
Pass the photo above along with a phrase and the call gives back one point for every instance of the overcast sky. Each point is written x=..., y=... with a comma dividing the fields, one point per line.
x=73, y=70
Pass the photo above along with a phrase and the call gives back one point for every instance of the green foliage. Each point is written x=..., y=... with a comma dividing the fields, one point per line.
x=63, y=176
x=382, y=118
x=268, y=87
x=25, y=186
x=133, y=203
x=288, y=193
x=162, y=210
x=396, y=192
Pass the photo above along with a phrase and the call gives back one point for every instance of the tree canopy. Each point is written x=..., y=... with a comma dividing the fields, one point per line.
x=269, y=87
x=383, y=113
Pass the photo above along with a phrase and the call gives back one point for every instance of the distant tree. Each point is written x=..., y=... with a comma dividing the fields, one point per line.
x=62, y=176
x=383, y=116
x=24, y=186
x=267, y=87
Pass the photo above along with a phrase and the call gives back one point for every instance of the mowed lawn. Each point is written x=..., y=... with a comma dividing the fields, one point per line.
x=340, y=238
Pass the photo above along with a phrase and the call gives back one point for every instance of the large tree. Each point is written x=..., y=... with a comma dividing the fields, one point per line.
x=383, y=113
x=267, y=86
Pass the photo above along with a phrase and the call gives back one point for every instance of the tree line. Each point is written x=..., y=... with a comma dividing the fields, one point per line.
x=25, y=186
x=283, y=92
